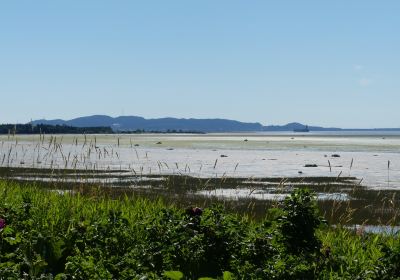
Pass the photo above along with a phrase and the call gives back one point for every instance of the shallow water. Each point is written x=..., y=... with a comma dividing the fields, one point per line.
x=265, y=194
x=382, y=229
x=262, y=155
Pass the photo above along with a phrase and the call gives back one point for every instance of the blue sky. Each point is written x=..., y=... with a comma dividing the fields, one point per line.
x=330, y=63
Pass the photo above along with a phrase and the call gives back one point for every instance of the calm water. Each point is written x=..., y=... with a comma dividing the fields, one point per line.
x=364, y=155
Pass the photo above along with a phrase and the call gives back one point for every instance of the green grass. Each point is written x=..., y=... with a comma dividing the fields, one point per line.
x=97, y=236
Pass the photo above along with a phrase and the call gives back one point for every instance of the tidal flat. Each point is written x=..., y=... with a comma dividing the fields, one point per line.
x=356, y=176
x=371, y=158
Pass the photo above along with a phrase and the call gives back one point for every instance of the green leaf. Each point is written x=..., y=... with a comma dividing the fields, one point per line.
x=10, y=255
x=8, y=230
x=61, y=276
x=174, y=275
x=13, y=240
x=227, y=275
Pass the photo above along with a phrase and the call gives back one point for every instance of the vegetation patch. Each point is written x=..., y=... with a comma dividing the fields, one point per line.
x=66, y=235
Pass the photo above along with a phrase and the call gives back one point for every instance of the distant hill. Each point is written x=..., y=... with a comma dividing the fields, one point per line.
x=296, y=126
x=134, y=123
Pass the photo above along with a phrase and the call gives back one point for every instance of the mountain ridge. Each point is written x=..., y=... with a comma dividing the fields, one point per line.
x=127, y=123
x=132, y=123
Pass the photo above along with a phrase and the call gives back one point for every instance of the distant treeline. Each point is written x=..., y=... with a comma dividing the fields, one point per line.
x=51, y=129
x=65, y=129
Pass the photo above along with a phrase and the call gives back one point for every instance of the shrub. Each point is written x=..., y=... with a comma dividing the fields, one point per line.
x=298, y=224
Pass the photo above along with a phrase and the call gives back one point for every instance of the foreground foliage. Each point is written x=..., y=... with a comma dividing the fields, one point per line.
x=53, y=235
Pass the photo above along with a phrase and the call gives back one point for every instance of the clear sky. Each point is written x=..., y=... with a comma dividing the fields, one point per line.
x=330, y=63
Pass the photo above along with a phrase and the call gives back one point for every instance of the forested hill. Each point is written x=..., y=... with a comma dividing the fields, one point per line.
x=133, y=123
x=129, y=124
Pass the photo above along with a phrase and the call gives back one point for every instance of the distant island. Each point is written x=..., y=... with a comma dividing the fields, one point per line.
x=135, y=124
